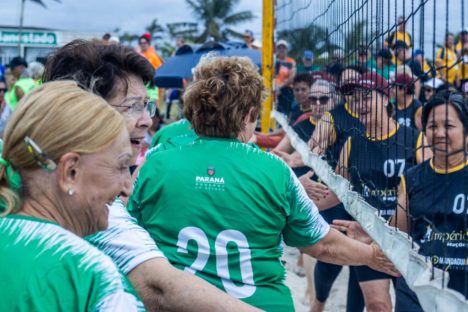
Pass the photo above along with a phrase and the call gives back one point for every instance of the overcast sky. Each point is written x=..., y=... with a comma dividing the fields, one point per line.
x=106, y=15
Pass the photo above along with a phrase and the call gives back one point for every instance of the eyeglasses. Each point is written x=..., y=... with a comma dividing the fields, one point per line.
x=428, y=90
x=321, y=99
x=3, y=90
x=143, y=42
x=137, y=108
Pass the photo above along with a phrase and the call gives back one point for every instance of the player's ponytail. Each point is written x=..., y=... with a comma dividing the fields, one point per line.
x=9, y=200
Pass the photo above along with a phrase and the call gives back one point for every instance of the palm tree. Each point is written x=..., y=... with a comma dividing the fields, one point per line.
x=155, y=29
x=312, y=37
x=358, y=35
x=186, y=30
x=217, y=17
x=128, y=38
x=23, y=2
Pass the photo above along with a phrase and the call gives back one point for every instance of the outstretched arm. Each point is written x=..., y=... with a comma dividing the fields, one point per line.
x=339, y=249
x=165, y=288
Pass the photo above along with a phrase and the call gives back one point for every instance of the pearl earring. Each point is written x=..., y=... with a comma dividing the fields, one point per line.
x=71, y=191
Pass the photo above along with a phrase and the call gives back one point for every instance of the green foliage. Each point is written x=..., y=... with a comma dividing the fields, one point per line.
x=186, y=30
x=217, y=18
x=312, y=37
x=155, y=29
x=358, y=35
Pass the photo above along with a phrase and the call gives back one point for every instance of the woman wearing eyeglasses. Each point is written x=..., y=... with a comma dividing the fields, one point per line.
x=374, y=162
x=430, y=88
x=433, y=196
x=320, y=99
x=219, y=207
x=119, y=74
x=56, y=142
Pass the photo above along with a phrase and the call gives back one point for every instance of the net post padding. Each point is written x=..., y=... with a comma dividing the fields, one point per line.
x=427, y=282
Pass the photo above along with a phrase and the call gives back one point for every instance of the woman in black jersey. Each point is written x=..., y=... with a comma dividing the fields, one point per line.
x=329, y=134
x=433, y=197
x=321, y=98
x=373, y=162
x=408, y=108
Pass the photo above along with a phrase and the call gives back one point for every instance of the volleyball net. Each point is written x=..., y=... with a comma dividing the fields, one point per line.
x=367, y=134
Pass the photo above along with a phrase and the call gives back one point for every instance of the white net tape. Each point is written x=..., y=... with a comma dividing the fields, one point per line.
x=429, y=284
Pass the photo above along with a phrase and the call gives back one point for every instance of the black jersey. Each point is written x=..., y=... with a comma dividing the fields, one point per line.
x=304, y=129
x=345, y=124
x=375, y=166
x=438, y=205
x=406, y=116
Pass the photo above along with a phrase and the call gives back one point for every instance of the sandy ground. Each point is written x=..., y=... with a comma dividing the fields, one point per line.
x=297, y=284
x=337, y=300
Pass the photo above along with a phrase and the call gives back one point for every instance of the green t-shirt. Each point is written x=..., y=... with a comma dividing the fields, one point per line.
x=301, y=68
x=26, y=85
x=220, y=208
x=47, y=268
x=386, y=72
x=181, y=127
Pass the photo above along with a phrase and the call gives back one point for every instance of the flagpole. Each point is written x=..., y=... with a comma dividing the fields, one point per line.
x=20, y=36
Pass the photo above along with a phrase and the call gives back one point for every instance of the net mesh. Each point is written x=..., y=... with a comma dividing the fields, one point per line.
x=376, y=67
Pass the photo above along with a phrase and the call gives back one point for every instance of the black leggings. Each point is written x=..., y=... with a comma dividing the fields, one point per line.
x=325, y=275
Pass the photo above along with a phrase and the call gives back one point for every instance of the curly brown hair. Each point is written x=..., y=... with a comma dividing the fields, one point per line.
x=222, y=93
x=97, y=67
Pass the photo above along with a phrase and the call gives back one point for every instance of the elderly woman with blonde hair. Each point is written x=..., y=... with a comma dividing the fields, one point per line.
x=56, y=142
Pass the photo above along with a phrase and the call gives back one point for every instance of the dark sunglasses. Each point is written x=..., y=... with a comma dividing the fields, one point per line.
x=3, y=90
x=428, y=90
x=321, y=99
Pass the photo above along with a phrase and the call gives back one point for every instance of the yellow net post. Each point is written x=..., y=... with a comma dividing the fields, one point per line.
x=267, y=61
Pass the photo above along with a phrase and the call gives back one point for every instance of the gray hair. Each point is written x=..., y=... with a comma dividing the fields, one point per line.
x=36, y=70
x=330, y=87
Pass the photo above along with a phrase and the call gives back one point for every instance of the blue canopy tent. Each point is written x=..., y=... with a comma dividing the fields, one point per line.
x=179, y=67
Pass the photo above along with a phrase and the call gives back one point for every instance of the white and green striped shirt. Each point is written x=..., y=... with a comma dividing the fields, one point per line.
x=47, y=268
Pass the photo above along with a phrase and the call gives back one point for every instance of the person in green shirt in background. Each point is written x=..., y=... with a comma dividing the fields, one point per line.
x=363, y=59
x=307, y=65
x=24, y=81
x=220, y=208
x=384, y=65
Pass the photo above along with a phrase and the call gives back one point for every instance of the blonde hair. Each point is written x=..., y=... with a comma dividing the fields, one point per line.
x=59, y=117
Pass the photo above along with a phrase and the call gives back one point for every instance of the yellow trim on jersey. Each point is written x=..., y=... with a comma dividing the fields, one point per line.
x=418, y=110
x=332, y=122
x=349, y=111
x=385, y=137
x=447, y=170
x=403, y=183
x=419, y=148
x=458, y=47
x=348, y=145
x=313, y=121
